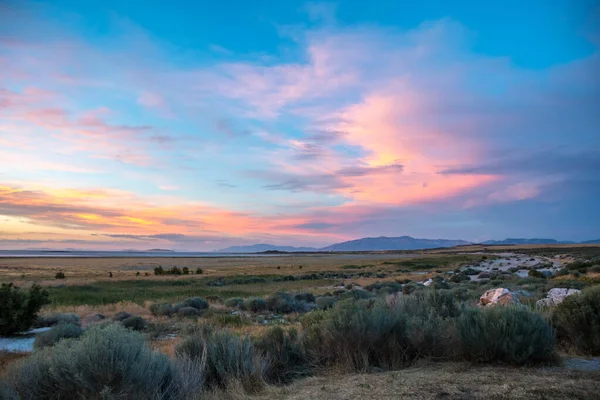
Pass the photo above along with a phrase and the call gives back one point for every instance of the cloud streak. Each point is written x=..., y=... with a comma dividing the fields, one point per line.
x=343, y=131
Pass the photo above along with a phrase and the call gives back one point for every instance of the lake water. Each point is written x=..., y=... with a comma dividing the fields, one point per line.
x=78, y=253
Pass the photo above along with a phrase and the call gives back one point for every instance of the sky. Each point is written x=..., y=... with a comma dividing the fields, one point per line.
x=197, y=125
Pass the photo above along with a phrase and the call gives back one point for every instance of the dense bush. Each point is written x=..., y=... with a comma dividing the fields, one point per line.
x=225, y=356
x=57, y=318
x=325, y=302
x=583, y=266
x=534, y=273
x=135, y=323
x=121, y=316
x=470, y=271
x=197, y=302
x=284, y=303
x=254, y=304
x=459, y=277
x=106, y=362
x=18, y=308
x=305, y=297
x=162, y=309
x=440, y=302
x=61, y=331
x=59, y=275
x=387, y=287
x=172, y=271
x=234, y=302
x=285, y=358
x=577, y=321
x=408, y=288
x=188, y=312
x=357, y=294
x=358, y=335
x=513, y=335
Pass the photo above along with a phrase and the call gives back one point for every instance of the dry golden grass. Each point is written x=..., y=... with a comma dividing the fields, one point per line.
x=446, y=381
x=108, y=310
x=24, y=271
x=9, y=358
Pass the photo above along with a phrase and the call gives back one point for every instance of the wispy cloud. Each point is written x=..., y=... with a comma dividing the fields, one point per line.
x=346, y=130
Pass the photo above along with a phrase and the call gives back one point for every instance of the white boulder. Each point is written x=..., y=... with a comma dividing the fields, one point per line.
x=497, y=296
x=555, y=297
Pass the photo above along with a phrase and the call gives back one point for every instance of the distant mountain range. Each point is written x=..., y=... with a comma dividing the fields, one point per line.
x=595, y=241
x=364, y=244
x=391, y=243
x=259, y=248
x=527, y=241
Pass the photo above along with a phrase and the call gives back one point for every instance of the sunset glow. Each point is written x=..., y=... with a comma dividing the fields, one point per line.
x=297, y=123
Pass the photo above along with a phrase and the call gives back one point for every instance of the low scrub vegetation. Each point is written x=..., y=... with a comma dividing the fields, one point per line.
x=512, y=335
x=382, y=328
x=185, y=308
x=106, y=362
x=59, y=332
x=284, y=355
x=577, y=321
x=224, y=357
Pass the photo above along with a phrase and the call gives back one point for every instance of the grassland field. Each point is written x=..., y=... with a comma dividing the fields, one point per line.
x=112, y=285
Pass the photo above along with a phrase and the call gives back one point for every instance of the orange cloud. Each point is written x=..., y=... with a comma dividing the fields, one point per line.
x=123, y=214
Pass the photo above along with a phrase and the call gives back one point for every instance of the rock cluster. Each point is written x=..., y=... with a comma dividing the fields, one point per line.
x=555, y=297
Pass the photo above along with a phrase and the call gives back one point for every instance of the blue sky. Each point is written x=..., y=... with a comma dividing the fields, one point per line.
x=193, y=125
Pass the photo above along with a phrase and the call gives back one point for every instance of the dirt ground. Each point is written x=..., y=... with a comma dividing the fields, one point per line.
x=447, y=381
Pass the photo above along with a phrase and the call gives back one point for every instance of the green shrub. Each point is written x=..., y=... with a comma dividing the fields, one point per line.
x=283, y=353
x=254, y=304
x=135, y=323
x=357, y=294
x=408, y=288
x=61, y=331
x=534, y=273
x=188, y=312
x=18, y=309
x=326, y=302
x=7, y=392
x=199, y=271
x=106, y=362
x=357, y=336
x=57, y=318
x=162, y=309
x=197, y=302
x=225, y=357
x=284, y=303
x=460, y=277
x=121, y=316
x=430, y=319
x=305, y=297
x=577, y=321
x=174, y=271
x=512, y=335
x=234, y=302
x=441, y=302
x=59, y=275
